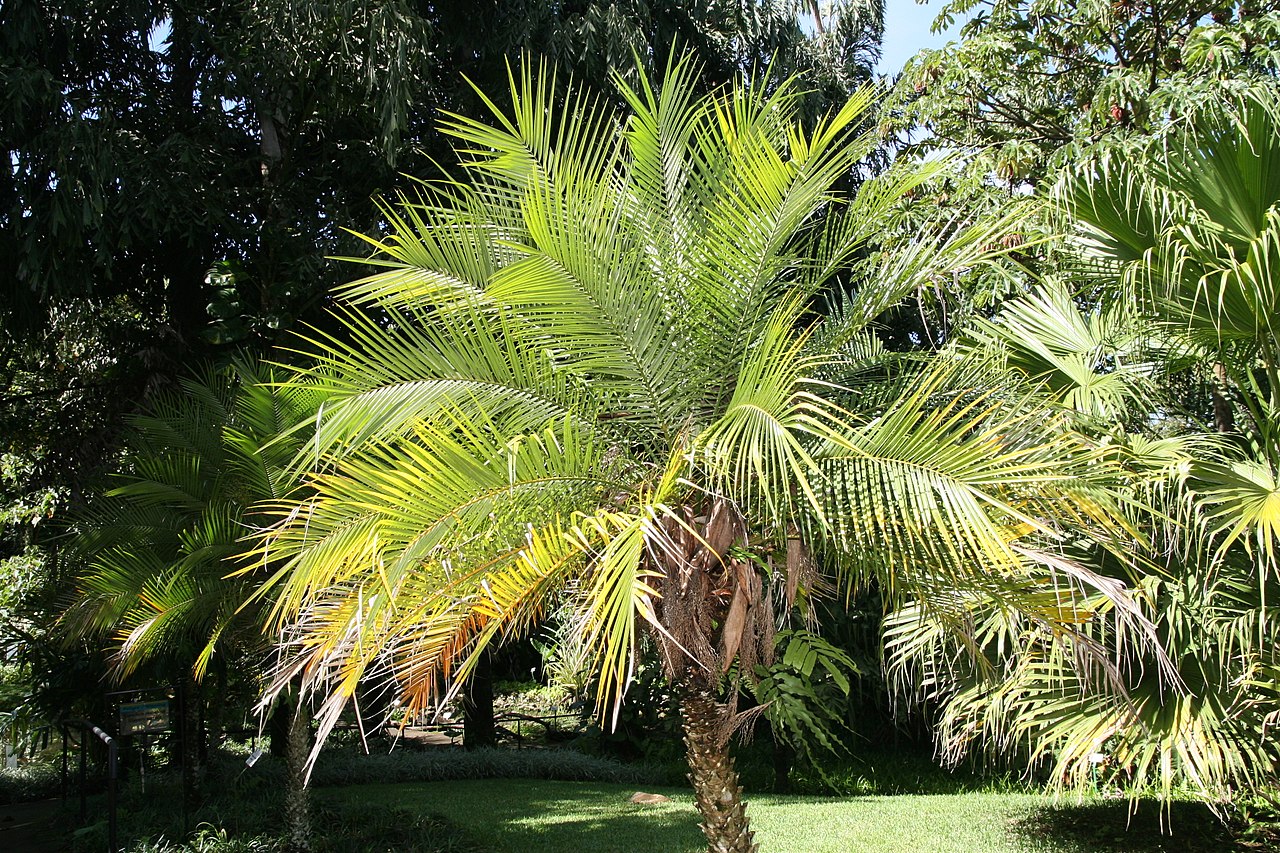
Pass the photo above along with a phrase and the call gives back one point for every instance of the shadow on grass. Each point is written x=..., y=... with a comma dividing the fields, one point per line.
x=535, y=816
x=883, y=773
x=1110, y=827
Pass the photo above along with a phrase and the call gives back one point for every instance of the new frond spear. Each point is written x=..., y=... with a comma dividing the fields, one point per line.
x=595, y=364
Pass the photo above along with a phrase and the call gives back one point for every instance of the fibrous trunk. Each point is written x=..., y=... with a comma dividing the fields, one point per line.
x=715, y=782
x=297, y=806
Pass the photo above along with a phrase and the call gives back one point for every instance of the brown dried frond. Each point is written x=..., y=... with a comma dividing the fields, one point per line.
x=801, y=568
x=714, y=607
x=744, y=723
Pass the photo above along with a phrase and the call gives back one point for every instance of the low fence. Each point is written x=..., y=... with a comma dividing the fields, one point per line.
x=113, y=774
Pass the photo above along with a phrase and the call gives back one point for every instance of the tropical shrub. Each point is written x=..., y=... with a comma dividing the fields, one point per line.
x=1178, y=292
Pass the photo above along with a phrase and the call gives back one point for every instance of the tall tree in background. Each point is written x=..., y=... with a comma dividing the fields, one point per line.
x=153, y=142
x=1033, y=89
x=179, y=172
x=1031, y=83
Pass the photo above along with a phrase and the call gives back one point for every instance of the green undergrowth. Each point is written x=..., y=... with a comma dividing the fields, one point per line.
x=242, y=807
x=243, y=816
x=867, y=772
x=29, y=782
x=442, y=764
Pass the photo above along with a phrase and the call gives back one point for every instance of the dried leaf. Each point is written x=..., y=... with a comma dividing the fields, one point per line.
x=731, y=634
x=723, y=528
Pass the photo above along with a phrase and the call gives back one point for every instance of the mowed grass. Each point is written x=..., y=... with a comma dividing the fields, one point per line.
x=533, y=816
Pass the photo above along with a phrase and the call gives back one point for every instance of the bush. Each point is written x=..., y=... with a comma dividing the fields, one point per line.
x=209, y=839
x=337, y=830
x=529, y=698
x=359, y=829
x=29, y=782
x=242, y=809
x=1256, y=820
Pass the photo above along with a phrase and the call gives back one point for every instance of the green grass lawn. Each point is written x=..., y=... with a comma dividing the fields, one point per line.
x=565, y=817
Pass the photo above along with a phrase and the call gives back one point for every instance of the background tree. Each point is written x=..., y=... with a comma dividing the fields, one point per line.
x=1030, y=84
x=1031, y=91
x=159, y=550
x=153, y=143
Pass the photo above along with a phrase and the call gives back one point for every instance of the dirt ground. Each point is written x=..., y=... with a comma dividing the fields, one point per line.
x=31, y=827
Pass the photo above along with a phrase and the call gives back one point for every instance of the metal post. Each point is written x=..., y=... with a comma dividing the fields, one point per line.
x=84, y=803
x=183, y=697
x=113, y=778
x=113, y=781
x=64, y=764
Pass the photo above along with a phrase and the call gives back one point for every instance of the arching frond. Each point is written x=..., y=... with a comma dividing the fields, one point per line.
x=158, y=546
x=592, y=367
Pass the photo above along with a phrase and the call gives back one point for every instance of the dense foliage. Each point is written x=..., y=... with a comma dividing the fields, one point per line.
x=661, y=368
x=180, y=172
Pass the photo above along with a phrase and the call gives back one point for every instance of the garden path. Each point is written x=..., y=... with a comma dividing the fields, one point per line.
x=30, y=827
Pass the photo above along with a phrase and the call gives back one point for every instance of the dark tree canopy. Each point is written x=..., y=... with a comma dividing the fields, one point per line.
x=199, y=158
x=181, y=173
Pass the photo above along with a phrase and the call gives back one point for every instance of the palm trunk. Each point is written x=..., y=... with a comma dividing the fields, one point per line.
x=297, y=805
x=478, y=726
x=715, y=782
x=1223, y=418
x=189, y=733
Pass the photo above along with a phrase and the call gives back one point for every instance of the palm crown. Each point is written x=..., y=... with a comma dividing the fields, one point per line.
x=157, y=548
x=1192, y=234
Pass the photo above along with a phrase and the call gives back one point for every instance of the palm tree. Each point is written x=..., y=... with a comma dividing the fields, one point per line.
x=1191, y=232
x=158, y=547
x=597, y=364
x=1181, y=239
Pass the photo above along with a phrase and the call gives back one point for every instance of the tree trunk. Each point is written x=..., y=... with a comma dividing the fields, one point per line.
x=297, y=805
x=1223, y=418
x=189, y=735
x=477, y=707
x=217, y=706
x=278, y=722
x=784, y=758
x=715, y=782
